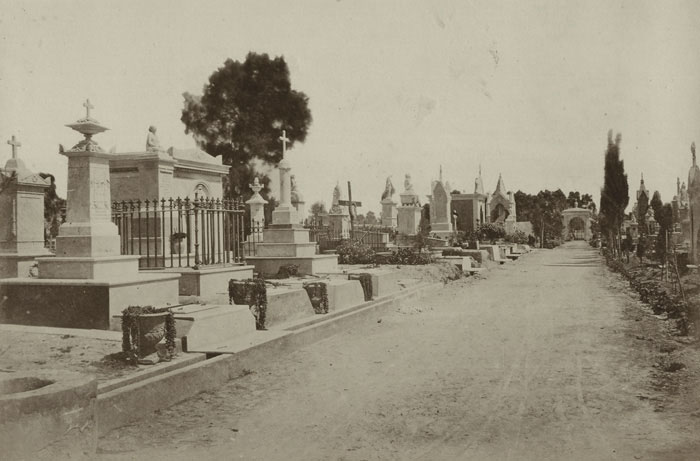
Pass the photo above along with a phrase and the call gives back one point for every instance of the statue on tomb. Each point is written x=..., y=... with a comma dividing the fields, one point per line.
x=152, y=142
x=388, y=189
x=295, y=195
x=335, y=206
x=407, y=183
x=684, y=199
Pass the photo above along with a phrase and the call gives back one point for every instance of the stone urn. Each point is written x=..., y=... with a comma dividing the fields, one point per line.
x=177, y=243
x=238, y=292
x=318, y=295
x=151, y=330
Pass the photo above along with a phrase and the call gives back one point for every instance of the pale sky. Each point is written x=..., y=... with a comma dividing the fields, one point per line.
x=527, y=89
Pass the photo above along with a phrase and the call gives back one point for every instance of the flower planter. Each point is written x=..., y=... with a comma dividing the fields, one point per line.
x=318, y=295
x=151, y=330
x=238, y=292
x=366, y=282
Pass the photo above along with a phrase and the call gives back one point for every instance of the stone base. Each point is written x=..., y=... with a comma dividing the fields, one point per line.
x=285, y=249
x=209, y=281
x=55, y=421
x=202, y=326
x=443, y=234
x=93, y=268
x=285, y=304
x=343, y=294
x=75, y=303
x=310, y=265
x=384, y=281
x=14, y=265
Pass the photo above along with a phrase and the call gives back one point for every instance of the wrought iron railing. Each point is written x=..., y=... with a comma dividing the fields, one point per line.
x=181, y=232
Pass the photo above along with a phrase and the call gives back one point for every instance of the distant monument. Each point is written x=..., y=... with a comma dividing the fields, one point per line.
x=440, y=208
x=409, y=213
x=22, y=211
x=389, y=211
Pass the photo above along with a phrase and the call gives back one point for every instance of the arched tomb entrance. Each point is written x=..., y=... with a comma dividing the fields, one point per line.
x=577, y=224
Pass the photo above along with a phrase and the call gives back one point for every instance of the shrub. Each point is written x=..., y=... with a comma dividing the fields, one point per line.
x=355, y=253
x=407, y=256
x=491, y=232
x=516, y=237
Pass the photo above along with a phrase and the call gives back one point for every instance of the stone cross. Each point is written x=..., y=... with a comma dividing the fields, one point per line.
x=15, y=144
x=87, y=107
x=284, y=140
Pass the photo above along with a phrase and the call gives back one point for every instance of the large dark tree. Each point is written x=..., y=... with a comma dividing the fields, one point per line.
x=614, y=196
x=241, y=114
x=53, y=208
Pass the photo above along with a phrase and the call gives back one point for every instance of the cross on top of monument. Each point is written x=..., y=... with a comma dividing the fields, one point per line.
x=284, y=140
x=15, y=144
x=87, y=107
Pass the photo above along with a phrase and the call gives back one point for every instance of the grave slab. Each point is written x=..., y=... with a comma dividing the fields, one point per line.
x=208, y=281
x=285, y=304
x=204, y=325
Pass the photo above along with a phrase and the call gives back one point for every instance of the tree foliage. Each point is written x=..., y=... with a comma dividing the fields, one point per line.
x=614, y=196
x=544, y=211
x=53, y=206
x=241, y=114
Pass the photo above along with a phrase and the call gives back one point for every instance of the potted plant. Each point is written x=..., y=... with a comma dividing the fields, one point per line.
x=143, y=328
x=318, y=295
x=177, y=241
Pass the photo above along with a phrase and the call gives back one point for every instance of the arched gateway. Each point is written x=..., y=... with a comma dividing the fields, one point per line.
x=577, y=224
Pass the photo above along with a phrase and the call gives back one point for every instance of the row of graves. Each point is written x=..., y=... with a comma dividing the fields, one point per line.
x=182, y=276
x=684, y=236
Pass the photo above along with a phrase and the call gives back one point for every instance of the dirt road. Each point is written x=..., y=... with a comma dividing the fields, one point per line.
x=550, y=357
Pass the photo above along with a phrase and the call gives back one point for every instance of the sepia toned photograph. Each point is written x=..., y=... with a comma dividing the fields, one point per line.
x=349, y=230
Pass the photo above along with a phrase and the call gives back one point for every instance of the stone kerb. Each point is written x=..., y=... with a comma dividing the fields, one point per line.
x=48, y=415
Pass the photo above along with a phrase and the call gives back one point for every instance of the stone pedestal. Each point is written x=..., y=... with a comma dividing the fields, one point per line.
x=389, y=213
x=88, y=281
x=285, y=241
x=22, y=223
x=339, y=225
x=256, y=205
x=409, y=220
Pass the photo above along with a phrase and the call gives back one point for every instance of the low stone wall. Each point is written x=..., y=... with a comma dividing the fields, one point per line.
x=48, y=415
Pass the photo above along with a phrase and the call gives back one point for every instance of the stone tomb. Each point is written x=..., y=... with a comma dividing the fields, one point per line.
x=285, y=241
x=409, y=215
x=89, y=280
x=22, y=211
x=440, y=208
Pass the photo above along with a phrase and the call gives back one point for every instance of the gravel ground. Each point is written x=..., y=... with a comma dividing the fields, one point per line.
x=549, y=358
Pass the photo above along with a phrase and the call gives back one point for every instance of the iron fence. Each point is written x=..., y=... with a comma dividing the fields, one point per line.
x=181, y=232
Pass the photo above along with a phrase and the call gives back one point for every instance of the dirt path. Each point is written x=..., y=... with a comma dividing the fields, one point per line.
x=548, y=358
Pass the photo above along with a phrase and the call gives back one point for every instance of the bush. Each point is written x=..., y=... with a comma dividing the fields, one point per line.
x=491, y=232
x=517, y=237
x=406, y=256
x=355, y=253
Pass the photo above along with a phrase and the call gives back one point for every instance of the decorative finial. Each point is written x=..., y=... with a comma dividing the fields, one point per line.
x=642, y=178
x=87, y=107
x=440, y=173
x=692, y=149
x=284, y=140
x=15, y=144
x=256, y=187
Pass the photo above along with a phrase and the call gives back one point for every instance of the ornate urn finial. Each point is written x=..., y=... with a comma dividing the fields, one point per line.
x=87, y=127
